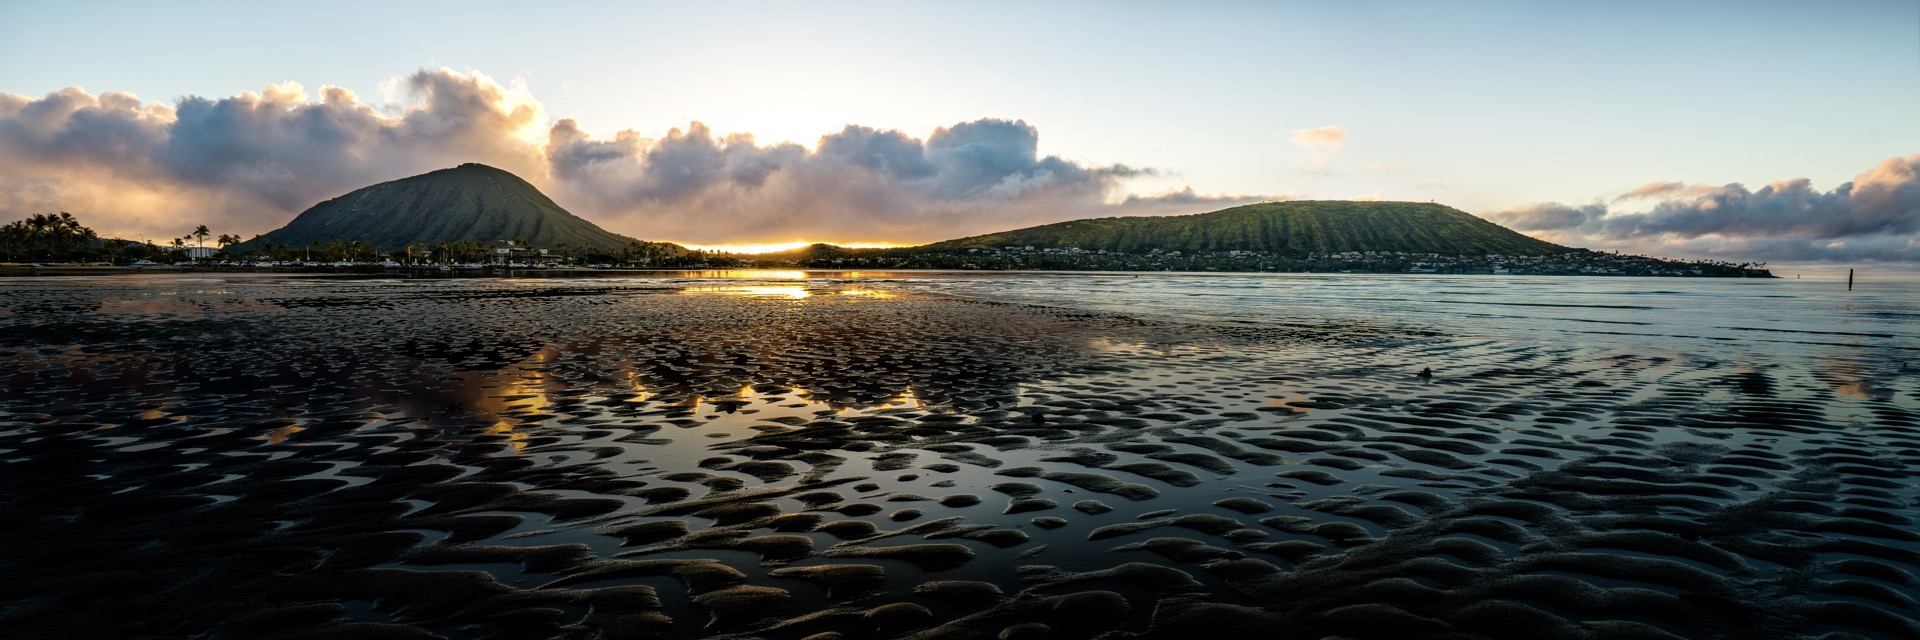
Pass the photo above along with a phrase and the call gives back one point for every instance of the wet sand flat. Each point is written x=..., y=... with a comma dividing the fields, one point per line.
x=846, y=457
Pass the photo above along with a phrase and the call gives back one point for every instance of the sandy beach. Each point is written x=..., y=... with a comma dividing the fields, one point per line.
x=235, y=456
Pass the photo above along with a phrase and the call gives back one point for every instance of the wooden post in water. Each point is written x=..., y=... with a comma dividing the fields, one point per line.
x=1849, y=279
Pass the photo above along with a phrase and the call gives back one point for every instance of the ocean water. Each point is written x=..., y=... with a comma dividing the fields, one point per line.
x=1761, y=318
x=1262, y=439
x=1815, y=318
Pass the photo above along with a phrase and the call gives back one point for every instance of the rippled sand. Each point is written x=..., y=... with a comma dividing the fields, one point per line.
x=491, y=458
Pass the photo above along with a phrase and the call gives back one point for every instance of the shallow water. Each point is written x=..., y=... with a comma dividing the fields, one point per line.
x=1591, y=456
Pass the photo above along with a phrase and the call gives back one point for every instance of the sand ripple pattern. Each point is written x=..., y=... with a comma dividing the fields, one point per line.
x=326, y=458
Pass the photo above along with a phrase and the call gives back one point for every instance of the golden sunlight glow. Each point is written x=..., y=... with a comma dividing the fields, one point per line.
x=867, y=293
x=751, y=274
x=640, y=391
x=783, y=292
x=523, y=394
x=776, y=247
x=281, y=434
x=906, y=397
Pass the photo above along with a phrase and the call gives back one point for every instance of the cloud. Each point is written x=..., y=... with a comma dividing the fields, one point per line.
x=1324, y=137
x=249, y=162
x=246, y=162
x=1653, y=190
x=1876, y=217
x=1320, y=142
x=972, y=177
x=1549, y=216
x=1186, y=197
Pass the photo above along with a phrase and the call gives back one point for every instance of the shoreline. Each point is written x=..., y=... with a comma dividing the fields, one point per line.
x=63, y=270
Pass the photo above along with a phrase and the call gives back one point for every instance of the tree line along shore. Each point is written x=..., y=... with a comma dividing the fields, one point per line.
x=61, y=241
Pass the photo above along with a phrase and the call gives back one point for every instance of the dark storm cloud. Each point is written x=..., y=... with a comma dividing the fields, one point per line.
x=1876, y=216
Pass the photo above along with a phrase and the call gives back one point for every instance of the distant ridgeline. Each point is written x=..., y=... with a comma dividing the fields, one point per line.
x=458, y=215
x=471, y=202
x=1324, y=235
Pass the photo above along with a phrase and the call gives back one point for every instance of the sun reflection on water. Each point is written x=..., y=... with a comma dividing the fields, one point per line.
x=521, y=396
x=795, y=293
x=281, y=434
x=868, y=293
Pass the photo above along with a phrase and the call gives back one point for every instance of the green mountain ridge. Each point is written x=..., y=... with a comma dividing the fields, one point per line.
x=466, y=207
x=1296, y=227
x=468, y=202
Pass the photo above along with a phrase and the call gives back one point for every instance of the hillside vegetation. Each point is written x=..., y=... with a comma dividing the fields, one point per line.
x=1286, y=228
x=471, y=202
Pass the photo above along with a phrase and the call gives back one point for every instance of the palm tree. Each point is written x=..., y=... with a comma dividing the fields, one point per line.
x=115, y=247
x=40, y=231
x=179, y=244
x=79, y=234
x=201, y=233
x=15, y=236
x=227, y=239
x=470, y=250
x=68, y=231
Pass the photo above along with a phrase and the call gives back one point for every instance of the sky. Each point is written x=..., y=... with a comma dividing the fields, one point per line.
x=1746, y=131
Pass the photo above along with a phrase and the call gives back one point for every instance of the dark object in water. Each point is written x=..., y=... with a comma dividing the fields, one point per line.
x=1849, y=279
x=1425, y=372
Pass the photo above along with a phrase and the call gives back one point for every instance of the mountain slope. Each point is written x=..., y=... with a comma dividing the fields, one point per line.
x=468, y=202
x=1292, y=228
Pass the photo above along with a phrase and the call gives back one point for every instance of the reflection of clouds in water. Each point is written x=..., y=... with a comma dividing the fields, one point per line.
x=523, y=398
x=1856, y=380
x=1292, y=402
x=1863, y=390
x=497, y=364
x=525, y=395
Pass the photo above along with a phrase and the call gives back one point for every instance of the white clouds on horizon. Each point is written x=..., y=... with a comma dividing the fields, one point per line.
x=248, y=163
x=1874, y=217
x=252, y=161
